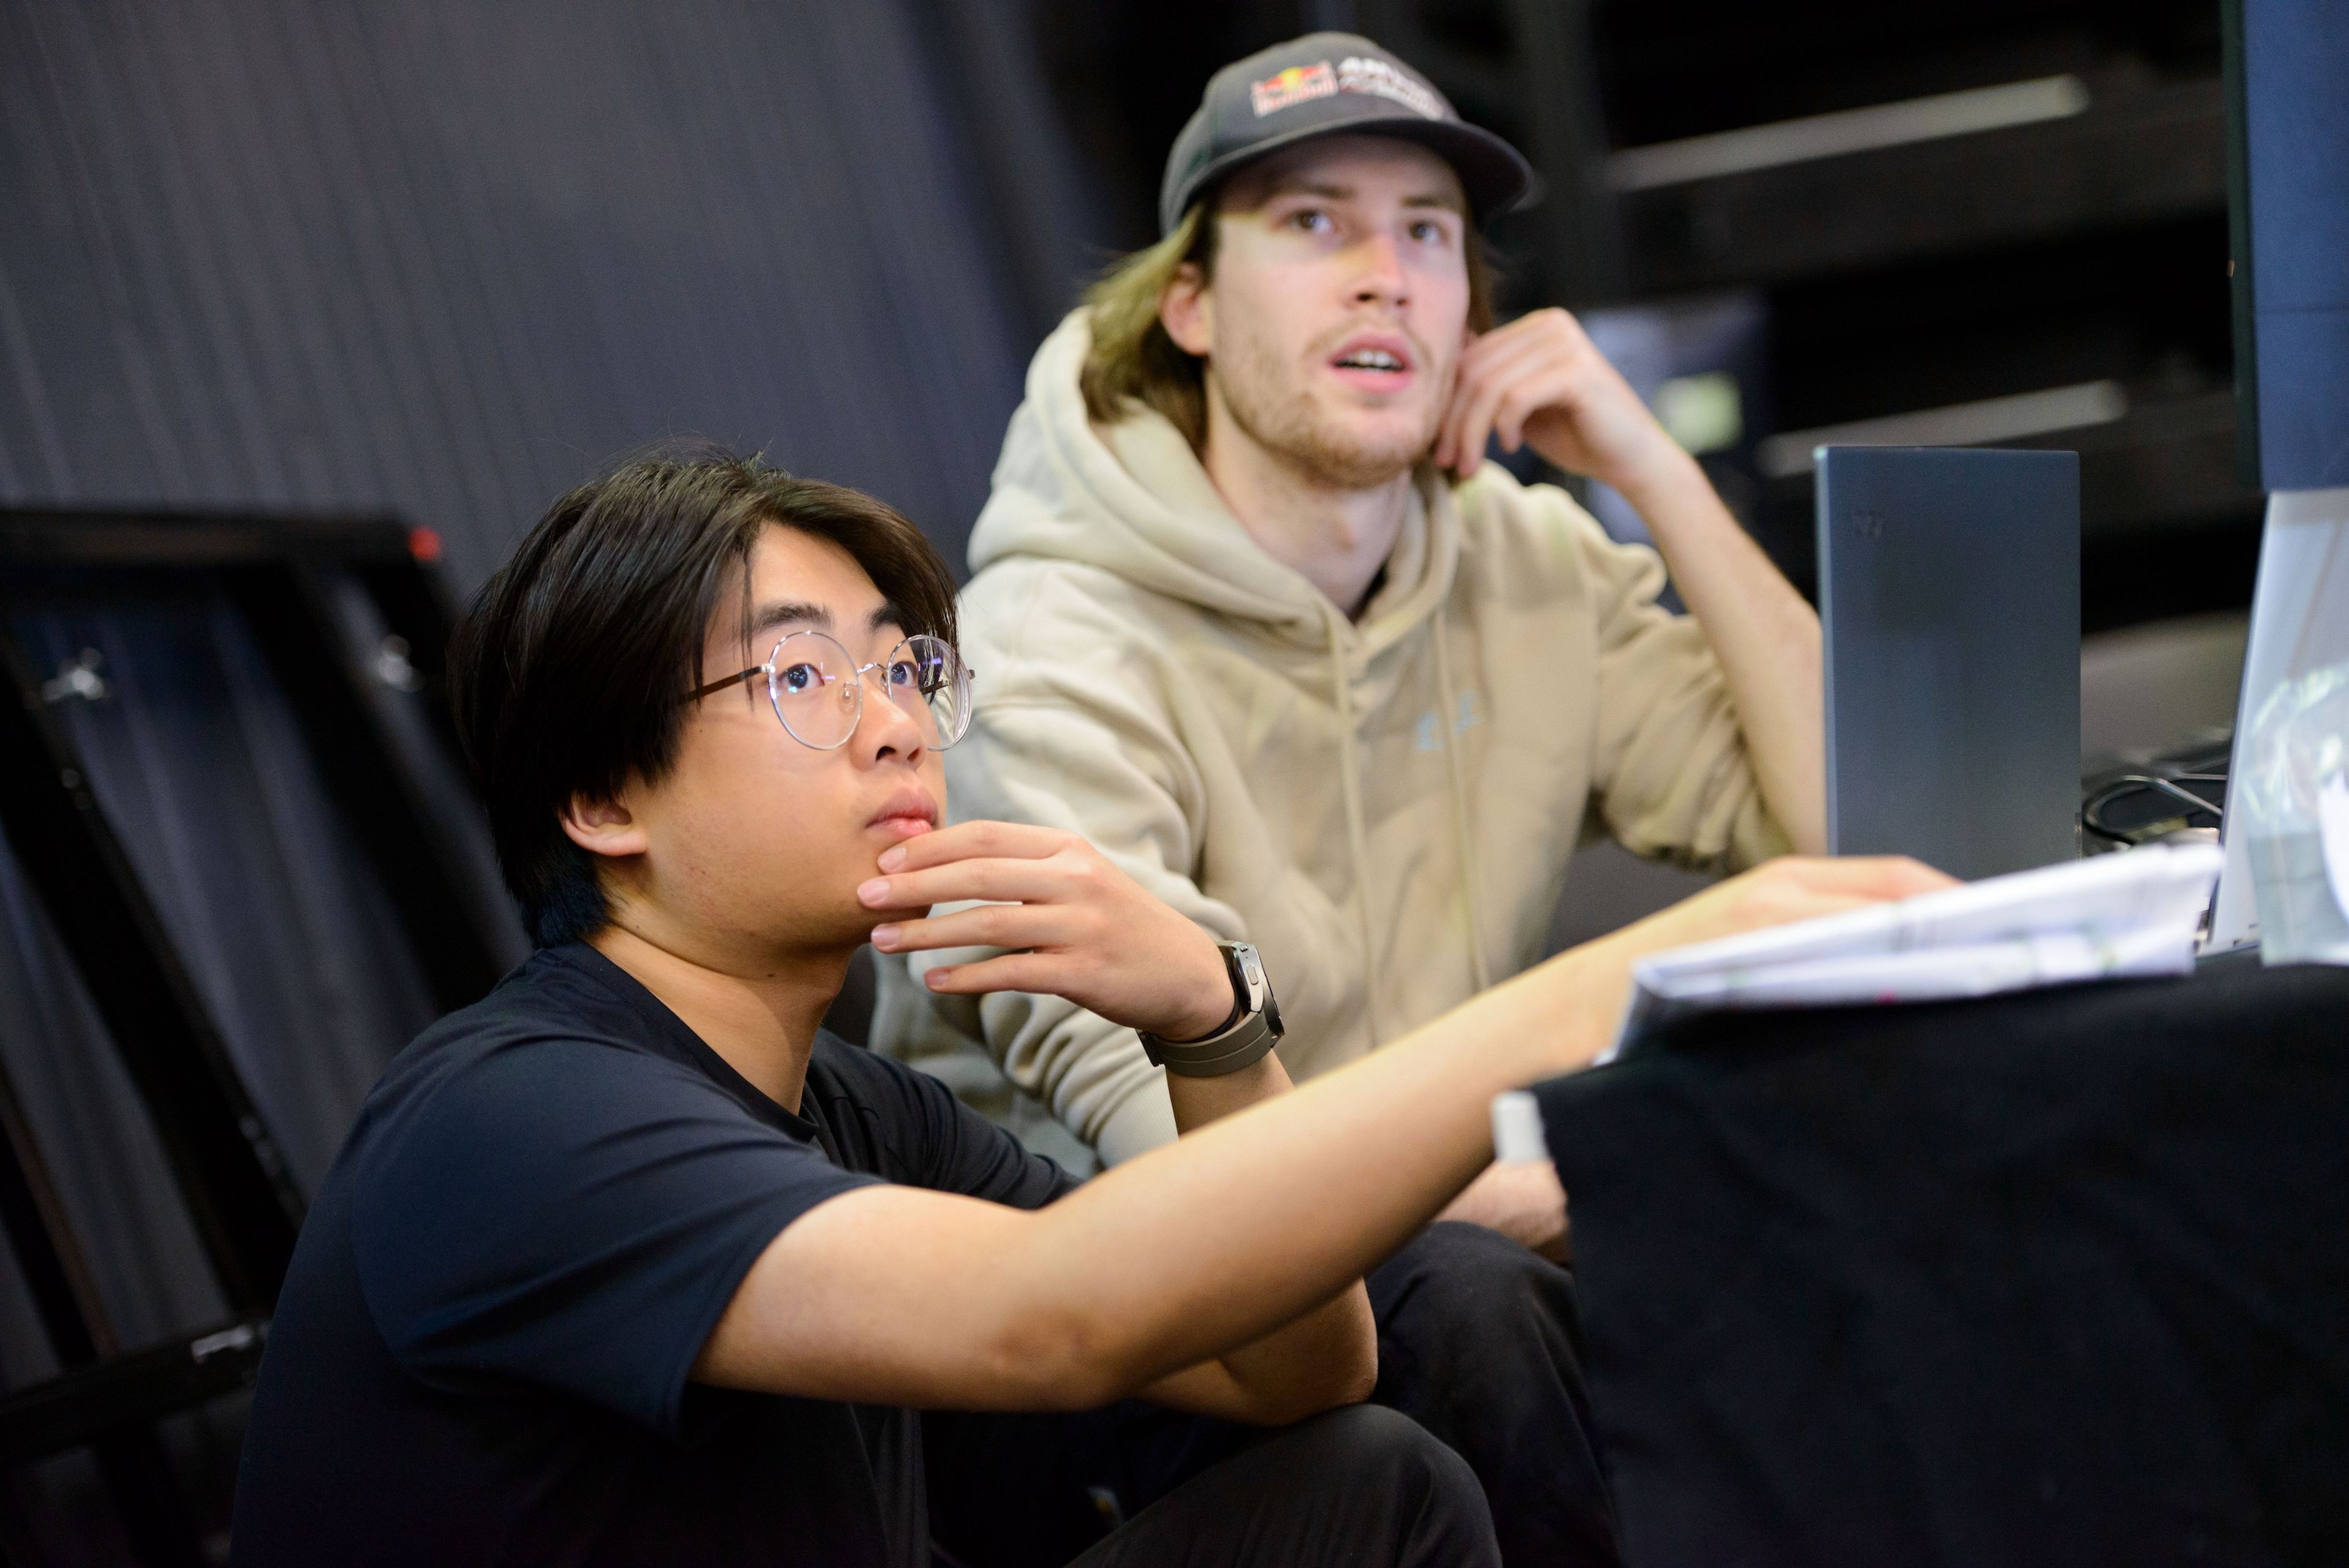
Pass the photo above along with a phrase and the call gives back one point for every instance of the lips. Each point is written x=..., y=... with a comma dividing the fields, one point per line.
x=909, y=811
x=1374, y=362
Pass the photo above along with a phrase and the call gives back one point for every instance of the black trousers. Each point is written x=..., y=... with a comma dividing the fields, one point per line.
x=1358, y=1487
x=1478, y=1343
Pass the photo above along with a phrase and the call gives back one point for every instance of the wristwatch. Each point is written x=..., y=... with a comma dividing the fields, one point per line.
x=1253, y=1028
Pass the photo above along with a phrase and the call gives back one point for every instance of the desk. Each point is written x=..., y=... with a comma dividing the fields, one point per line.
x=2057, y=1277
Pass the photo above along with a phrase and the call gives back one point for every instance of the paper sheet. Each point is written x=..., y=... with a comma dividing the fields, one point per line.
x=2136, y=912
x=2333, y=835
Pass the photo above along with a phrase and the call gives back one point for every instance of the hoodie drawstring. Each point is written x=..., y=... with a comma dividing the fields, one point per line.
x=1358, y=837
x=1358, y=840
x=1450, y=725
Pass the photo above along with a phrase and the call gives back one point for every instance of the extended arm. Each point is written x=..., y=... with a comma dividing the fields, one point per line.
x=894, y=1296
x=1539, y=381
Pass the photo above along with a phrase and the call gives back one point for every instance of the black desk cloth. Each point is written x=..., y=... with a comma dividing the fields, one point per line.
x=2058, y=1277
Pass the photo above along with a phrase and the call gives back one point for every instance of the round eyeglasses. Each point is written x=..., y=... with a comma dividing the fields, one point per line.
x=818, y=689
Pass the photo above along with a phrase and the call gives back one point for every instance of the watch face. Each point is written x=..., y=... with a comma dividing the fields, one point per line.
x=1271, y=1013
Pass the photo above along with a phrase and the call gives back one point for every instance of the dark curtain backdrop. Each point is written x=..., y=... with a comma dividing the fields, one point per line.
x=438, y=258
x=442, y=256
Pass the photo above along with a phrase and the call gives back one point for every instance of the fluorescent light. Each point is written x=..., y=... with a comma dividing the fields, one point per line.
x=1849, y=130
x=1959, y=424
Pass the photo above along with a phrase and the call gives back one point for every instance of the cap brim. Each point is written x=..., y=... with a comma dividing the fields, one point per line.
x=1495, y=175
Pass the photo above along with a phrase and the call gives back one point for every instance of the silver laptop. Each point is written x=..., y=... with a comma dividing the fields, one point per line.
x=1950, y=597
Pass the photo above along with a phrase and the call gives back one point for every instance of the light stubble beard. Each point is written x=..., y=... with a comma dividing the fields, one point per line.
x=1281, y=421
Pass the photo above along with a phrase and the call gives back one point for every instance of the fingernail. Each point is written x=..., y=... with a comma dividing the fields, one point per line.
x=893, y=858
x=874, y=893
x=934, y=977
x=884, y=937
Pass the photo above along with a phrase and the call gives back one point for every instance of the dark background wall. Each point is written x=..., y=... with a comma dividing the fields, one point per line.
x=442, y=258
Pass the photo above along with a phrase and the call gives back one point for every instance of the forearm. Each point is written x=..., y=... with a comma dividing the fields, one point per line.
x=1541, y=380
x=1326, y=1357
x=1199, y=1101
x=1766, y=637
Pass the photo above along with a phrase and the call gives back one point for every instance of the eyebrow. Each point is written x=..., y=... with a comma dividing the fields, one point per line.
x=1327, y=191
x=794, y=612
x=1301, y=187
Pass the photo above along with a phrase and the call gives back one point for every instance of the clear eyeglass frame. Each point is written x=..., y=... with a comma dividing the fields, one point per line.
x=817, y=688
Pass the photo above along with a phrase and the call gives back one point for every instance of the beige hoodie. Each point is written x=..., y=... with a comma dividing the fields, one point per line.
x=1384, y=806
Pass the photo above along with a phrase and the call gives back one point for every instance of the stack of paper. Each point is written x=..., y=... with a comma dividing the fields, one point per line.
x=2136, y=912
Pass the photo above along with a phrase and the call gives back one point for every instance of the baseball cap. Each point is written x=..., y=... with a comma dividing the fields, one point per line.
x=1328, y=84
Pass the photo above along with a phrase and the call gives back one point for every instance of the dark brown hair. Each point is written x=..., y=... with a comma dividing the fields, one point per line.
x=566, y=676
x=1133, y=360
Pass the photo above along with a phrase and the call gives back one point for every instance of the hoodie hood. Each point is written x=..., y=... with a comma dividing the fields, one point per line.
x=1133, y=499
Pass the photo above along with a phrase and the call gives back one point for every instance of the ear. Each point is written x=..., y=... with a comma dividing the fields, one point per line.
x=1186, y=310
x=603, y=827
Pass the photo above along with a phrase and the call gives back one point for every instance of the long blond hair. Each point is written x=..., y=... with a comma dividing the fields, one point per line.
x=1133, y=360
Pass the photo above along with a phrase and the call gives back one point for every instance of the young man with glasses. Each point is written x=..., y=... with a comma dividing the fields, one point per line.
x=629, y=1263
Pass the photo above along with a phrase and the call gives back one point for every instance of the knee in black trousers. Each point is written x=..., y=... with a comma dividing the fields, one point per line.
x=1479, y=1343
x=1360, y=1487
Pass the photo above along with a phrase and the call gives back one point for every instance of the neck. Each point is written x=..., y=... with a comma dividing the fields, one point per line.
x=1337, y=538
x=760, y=1016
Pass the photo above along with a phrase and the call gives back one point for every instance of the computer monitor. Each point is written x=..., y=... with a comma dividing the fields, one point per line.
x=1950, y=598
x=2288, y=202
x=2288, y=206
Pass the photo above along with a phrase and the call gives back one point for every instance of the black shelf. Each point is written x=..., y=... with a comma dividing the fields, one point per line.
x=94, y=1403
x=2142, y=152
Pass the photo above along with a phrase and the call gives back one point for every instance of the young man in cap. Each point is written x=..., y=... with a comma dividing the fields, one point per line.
x=1260, y=622
x=630, y=1264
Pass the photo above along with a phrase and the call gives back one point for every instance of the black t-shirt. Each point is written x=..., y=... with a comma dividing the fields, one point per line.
x=482, y=1347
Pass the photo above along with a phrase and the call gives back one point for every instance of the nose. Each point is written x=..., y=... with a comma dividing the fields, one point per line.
x=885, y=729
x=1380, y=280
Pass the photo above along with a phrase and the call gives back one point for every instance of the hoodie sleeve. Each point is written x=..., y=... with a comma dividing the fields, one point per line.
x=1668, y=763
x=1087, y=745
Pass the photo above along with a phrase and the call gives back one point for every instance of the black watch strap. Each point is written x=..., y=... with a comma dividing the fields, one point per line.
x=1251, y=1030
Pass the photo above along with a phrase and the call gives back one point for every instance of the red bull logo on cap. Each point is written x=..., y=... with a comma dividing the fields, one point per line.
x=1298, y=84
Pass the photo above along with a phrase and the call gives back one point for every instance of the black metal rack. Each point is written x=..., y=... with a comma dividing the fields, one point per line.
x=227, y=1166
